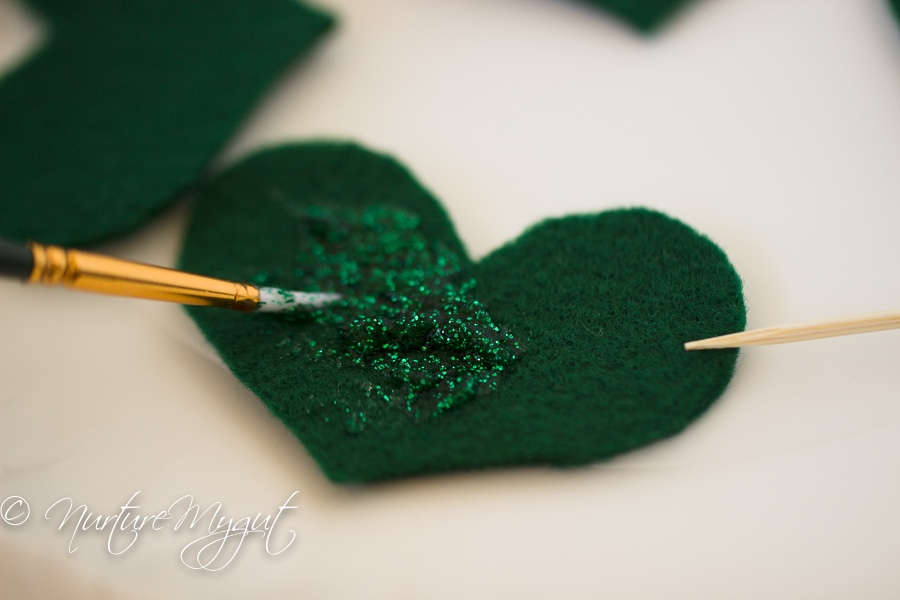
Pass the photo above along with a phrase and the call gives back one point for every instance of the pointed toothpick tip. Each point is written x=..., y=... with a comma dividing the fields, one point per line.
x=784, y=334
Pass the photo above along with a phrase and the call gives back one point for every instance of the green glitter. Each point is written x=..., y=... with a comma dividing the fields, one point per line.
x=407, y=315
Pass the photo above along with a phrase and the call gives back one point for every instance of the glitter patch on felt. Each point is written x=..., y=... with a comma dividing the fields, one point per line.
x=406, y=313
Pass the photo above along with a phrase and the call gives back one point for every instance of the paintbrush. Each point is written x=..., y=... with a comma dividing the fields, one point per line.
x=90, y=272
x=801, y=332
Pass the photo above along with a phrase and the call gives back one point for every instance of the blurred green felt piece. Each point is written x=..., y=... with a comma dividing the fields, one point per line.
x=601, y=305
x=128, y=101
x=645, y=15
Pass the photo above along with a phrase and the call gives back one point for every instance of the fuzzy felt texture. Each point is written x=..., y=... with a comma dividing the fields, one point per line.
x=128, y=101
x=595, y=309
x=646, y=16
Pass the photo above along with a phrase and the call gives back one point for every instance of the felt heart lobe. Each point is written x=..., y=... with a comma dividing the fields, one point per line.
x=604, y=304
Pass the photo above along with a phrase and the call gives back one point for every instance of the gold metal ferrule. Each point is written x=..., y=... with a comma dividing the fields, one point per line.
x=91, y=272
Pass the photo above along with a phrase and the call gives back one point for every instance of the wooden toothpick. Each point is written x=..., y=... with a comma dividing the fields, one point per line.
x=804, y=331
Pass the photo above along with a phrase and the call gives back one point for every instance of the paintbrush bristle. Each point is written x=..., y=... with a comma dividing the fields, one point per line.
x=279, y=300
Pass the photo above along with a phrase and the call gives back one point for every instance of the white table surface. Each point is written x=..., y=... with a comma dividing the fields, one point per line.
x=773, y=126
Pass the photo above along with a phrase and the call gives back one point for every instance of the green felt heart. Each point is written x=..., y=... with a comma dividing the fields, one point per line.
x=644, y=15
x=562, y=347
x=127, y=103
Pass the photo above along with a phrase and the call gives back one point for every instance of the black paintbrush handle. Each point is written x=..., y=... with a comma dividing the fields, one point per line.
x=16, y=260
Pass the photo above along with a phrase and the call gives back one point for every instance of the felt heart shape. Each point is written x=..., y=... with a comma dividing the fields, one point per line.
x=128, y=102
x=562, y=347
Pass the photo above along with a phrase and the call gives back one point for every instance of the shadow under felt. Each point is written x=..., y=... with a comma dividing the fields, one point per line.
x=647, y=16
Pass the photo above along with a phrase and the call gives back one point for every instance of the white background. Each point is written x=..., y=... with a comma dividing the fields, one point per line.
x=772, y=126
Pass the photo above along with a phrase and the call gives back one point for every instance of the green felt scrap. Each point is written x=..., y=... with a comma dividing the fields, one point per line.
x=128, y=101
x=645, y=15
x=591, y=312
